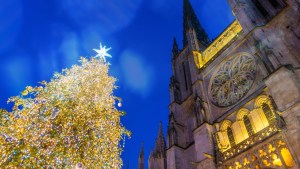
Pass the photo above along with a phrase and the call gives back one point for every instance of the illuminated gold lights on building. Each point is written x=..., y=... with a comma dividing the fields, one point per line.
x=271, y=155
x=249, y=128
x=248, y=123
x=201, y=58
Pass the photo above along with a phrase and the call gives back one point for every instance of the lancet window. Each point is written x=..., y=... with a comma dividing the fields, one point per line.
x=230, y=137
x=268, y=113
x=248, y=125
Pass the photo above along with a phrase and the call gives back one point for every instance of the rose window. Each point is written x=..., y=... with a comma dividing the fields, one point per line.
x=232, y=80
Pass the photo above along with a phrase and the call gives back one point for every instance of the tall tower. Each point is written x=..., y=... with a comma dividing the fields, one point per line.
x=183, y=64
x=187, y=109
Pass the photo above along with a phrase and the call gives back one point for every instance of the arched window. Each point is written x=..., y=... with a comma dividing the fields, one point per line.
x=248, y=125
x=230, y=137
x=184, y=75
x=261, y=9
x=268, y=113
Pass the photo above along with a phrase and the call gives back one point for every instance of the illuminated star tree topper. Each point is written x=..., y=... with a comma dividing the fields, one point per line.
x=102, y=52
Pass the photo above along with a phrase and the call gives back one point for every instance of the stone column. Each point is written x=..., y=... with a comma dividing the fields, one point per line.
x=204, y=147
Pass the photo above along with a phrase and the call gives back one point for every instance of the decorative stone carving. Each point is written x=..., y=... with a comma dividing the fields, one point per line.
x=199, y=111
x=217, y=45
x=176, y=89
x=272, y=154
x=232, y=80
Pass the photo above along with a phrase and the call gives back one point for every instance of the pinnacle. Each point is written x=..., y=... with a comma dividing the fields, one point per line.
x=190, y=20
x=142, y=151
x=160, y=141
x=141, y=157
x=160, y=130
x=175, y=42
x=175, y=49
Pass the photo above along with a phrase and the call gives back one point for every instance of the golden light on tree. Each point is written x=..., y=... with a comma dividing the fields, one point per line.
x=68, y=122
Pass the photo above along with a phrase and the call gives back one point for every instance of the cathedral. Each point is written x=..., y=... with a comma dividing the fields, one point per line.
x=235, y=101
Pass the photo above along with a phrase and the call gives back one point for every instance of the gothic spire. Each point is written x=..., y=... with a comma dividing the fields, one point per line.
x=142, y=151
x=141, y=158
x=190, y=20
x=175, y=49
x=160, y=145
x=160, y=130
x=151, y=153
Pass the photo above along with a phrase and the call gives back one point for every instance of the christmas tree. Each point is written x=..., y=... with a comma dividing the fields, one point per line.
x=69, y=122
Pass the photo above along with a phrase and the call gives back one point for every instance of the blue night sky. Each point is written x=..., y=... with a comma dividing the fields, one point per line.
x=38, y=38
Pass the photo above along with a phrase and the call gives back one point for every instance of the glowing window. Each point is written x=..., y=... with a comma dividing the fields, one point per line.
x=287, y=157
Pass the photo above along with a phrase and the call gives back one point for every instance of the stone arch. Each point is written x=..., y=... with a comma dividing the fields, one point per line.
x=222, y=140
x=241, y=113
x=247, y=123
x=264, y=105
x=225, y=124
x=260, y=100
x=226, y=135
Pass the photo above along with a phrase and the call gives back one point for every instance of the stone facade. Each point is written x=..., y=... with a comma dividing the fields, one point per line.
x=235, y=102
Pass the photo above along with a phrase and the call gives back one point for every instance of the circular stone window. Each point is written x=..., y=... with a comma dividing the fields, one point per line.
x=232, y=80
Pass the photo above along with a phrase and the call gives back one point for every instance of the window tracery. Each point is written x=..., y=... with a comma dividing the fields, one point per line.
x=232, y=80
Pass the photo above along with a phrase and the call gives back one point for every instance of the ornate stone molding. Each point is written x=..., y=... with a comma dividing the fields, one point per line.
x=230, y=33
x=249, y=142
x=273, y=153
